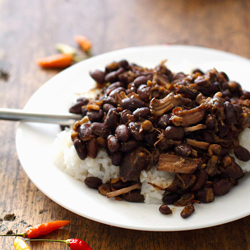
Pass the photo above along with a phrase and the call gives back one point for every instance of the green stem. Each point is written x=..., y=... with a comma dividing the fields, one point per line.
x=21, y=235
x=49, y=240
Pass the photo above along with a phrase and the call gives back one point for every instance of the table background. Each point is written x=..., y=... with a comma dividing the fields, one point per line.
x=30, y=29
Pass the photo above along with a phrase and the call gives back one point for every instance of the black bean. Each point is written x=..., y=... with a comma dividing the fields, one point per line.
x=235, y=88
x=123, y=63
x=113, y=143
x=131, y=103
x=179, y=75
x=174, y=133
x=230, y=113
x=84, y=111
x=234, y=170
x=95, y=115
x=111, y=119
x=163, y=121
x=226, y=94
x=187, y=211
x=113, y=76
x=122, y=133
x=98, y=76
x=201, y=178
x=126, y=77
x=242, y=153
x=165, y=209
x=106, y=107
x=85, y=132
x=142, y=80
x=133, y=196
x=223, y=130
x=92, y=148
x=221, y=187
x=112, y=86
x=82, y=99
x=109, y=100
x=116, y=158
x=112, y=67
x=245, y=95
x=224, y=85
x=144, y=92
x=93, y=182
x=224, y=75
x=80, y=149
x=211, y=89
x=76, y=108
x=132, y=89
x=183, y=150
x=170, y=198
x=116, y=91
x=143, y=112
x=135, y=131
x=128, y=146
x=197, y=71
x=238, y=110
x=120, y=184
x=99, y=129
x=151, y=137
x=126, y=116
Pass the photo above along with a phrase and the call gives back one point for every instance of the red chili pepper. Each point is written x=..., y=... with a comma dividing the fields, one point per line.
x=77, y=244
x=74, y=244
x=41, y=229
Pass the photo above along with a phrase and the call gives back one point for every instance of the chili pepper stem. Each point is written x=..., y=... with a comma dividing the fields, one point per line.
x=21, y=235
x=67, y=242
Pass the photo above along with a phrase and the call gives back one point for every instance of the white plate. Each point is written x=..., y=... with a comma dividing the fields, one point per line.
x=34, y=142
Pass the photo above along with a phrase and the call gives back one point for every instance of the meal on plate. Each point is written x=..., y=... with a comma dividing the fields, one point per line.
x=154, y=136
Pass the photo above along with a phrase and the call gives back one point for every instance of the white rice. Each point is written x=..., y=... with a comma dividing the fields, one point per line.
x=162, y=179
x=67, y=159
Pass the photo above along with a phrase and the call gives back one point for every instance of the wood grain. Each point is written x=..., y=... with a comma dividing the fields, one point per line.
x=29, y=30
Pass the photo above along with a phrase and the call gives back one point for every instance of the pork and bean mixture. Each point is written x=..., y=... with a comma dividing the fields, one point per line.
x=184, y=124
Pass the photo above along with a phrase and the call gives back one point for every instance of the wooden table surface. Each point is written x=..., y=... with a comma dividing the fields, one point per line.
x=29, y=30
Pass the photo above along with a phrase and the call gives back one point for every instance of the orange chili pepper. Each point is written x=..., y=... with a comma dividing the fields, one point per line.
x=83, y=42
x=56, y=61
x=19, y=244
x=41, y=229
x=45, y=228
